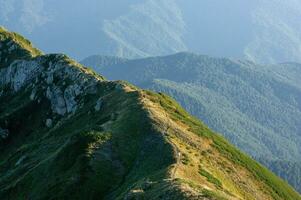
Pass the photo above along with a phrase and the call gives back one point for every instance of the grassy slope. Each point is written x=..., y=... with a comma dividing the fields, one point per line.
x=138, y=144
x=256, y=107
x=23, y=47
x=96, y=150
x=221, y=158
x=124, y=145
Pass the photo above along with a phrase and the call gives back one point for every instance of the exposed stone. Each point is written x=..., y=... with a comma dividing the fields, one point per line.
x=4, y=133
x=19, y=73
x=49, y=79
x=33, y=94
x=135, y=194
x=49, y=123
x=147, y=185
x=77, y=89
x=20, y=160
x=98, y=105
x=56, y=97
x=12, y=47
x=69, y=96
x=9, y=43
x=119, y=87
x=63, y=97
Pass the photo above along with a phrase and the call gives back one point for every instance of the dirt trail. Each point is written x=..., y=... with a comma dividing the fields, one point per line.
x=177, y=151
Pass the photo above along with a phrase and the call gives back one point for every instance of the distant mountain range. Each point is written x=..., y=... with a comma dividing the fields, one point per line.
x=257, y=107
x=263, y=31
x=67, y=133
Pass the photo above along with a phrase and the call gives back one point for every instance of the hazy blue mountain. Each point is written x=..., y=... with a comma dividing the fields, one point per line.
x=276, y=32
x=264, y=31
x=97, y=60
x=150, y=28
x=112, y=27
x=57, y=25
x=257, y=107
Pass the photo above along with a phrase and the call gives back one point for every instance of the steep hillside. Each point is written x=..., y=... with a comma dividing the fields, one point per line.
x=288, y=170
x=67, y=133
x=258, y=108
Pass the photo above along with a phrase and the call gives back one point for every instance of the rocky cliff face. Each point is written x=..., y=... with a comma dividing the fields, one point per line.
x=53, y=75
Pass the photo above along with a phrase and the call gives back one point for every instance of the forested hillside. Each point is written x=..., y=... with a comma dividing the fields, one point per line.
x=68, y=133
x=257, y=107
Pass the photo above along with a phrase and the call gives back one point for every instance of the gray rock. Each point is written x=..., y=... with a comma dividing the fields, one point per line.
x=19, y=73
x=98, y=104
x=20, y=160
x=56, y=97
x=77, y=90
x=33, y=94
x=63, y=98
x=4, y=133
x=69, y=96
x=49, y=123
x=49, y=79
x=12, y=47
x=119, y=87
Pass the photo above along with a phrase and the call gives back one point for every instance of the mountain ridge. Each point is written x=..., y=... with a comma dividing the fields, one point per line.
x=71, y=134
x=256, y=107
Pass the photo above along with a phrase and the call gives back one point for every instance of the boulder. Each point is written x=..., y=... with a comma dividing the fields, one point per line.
x=4, y=133
x=49, y=123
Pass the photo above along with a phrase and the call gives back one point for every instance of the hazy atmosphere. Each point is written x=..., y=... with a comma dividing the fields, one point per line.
x=150, y=99
x=264, y=31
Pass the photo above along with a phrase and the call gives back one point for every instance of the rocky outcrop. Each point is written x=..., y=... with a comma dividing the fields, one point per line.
x=20, y=73
x=50, y=72
x=98, y=105
x=4, y=133
x=49, y=123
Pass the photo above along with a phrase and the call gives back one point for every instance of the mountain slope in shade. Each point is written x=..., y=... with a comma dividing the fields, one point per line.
x=67, y=133
x=257, y=107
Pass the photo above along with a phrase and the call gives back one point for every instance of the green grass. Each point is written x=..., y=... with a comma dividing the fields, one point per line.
x=212, y=195
x=277, y=187
x=254, y=106
x=81, y=157
x=210, y=178
x=97, y=154
x=24, y=49
x=5, y=35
